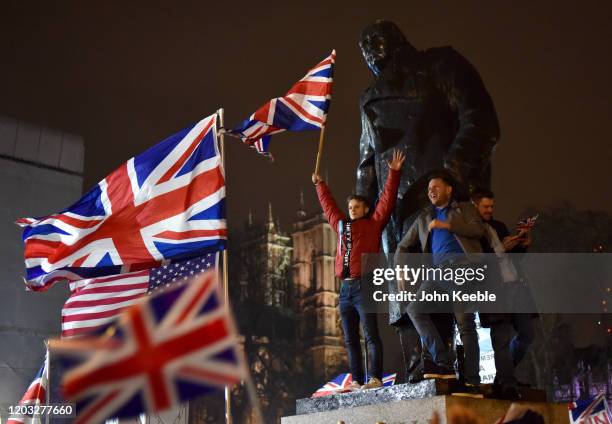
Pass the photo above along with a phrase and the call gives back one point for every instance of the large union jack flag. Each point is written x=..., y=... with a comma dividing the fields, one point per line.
x=164, y=350
x=166, y=203
x=36, y=394
x=303, y=108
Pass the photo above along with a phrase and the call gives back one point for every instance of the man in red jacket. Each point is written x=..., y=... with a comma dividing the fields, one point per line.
x=357, y=235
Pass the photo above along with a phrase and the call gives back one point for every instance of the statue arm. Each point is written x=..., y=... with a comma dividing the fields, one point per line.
x=367, y=183
x=470, y=153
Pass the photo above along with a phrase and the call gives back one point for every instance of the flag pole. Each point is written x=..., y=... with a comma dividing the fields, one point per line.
x=228, y=393
x=251, y=391
x=48, y=369
x=320, y=151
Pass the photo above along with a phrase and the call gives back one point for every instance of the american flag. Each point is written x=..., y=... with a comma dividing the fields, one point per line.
x=590, y=411
x=36, y=394
x=166, y=349
x=528, y=223
x=303, y=108
x=167, y=203
x=341, y=384
x=93, y=303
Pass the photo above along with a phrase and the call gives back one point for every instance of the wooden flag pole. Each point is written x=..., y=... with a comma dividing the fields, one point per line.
x=228, y=393
x=320, y=152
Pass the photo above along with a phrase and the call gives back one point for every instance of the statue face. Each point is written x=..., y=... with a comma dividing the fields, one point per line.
x=378, y=42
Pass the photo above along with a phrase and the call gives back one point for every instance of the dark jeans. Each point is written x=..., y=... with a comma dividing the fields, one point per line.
x=501, y=336
x=416, y=359
x=352, y=313
x=523, y=325
x=432, y=341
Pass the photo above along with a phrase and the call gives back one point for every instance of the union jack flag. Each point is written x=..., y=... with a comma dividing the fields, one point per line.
x=36, y=394
x=593, y=410
x=341, y=384
x=303, y=108
x=166, y=203
x=527, y=224
x=168, y=348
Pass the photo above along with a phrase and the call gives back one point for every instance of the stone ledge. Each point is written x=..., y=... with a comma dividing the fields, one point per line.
x=423, y=389
x=419, y=411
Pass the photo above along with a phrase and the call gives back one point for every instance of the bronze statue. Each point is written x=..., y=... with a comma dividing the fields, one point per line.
x=433, y=105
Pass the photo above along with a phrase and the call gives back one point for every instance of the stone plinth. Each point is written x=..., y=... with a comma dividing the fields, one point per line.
x=410, y=404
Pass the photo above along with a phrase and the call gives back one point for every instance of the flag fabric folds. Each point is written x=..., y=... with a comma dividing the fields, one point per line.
x=591, y=410
x=527, y=224
x=95, y=302
x=165, y=204
x=36, y=394
x=303, y=108
x=169, y=347
x=341, y=383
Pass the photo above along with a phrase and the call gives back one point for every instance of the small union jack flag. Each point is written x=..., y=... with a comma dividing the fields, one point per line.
x=36, y=394
x=527, y=224
x=341, y=384
x=165, y=204
x=590, y=411
x=162, y=351
x=303, y=108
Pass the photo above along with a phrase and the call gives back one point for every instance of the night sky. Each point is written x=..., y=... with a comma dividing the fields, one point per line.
x=124, y=75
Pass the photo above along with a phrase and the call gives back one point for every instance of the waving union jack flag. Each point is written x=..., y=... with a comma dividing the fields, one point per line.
x=592, y=410
x=166, y=203
x=164, y=350
x=303, y=108
x=36, y=394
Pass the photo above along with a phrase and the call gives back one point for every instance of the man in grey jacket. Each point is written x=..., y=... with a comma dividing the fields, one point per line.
x=451, y=232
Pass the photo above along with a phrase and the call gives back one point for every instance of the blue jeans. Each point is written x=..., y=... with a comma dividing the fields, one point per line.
x=352, y=313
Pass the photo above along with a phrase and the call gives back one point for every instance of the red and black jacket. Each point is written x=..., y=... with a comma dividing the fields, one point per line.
x=365, y=232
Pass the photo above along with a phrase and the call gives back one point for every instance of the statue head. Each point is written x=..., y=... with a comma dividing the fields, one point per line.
x=379, y=42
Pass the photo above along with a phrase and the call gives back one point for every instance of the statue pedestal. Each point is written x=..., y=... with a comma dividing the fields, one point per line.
x=411, y=404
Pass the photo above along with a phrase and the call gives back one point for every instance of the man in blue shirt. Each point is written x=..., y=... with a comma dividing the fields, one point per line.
x=451, y=232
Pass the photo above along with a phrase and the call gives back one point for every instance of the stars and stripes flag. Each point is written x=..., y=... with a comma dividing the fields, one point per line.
x=303, y=108
x=528, y=223
x=36, y=394
x=95, y=302
x=341, y=383
x=167, y=348
x=593, y=410
x=163, y=204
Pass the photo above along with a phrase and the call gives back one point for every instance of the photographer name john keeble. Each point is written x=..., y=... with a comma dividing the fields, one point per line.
x=434, y=296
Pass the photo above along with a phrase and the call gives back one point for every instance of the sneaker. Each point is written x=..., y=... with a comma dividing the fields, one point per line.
x=469, y=390
x=441, y=372
x=353, y=387
x=374, y=383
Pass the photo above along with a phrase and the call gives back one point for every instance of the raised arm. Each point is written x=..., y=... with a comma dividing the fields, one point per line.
x=328, y=204
x=386, y=203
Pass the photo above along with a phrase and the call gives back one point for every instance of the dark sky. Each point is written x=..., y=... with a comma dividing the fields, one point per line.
x=125, y=75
